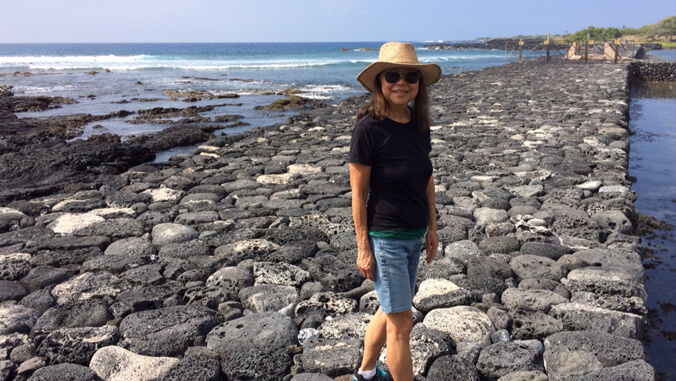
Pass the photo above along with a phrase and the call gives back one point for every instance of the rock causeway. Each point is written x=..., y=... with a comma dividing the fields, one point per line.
x=237, y=261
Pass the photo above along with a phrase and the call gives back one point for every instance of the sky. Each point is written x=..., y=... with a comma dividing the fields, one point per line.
x=29, y=21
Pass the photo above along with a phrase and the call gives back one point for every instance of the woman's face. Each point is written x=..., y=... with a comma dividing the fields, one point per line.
x=401, y=92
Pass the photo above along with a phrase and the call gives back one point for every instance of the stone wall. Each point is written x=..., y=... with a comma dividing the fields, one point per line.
x=653, y=71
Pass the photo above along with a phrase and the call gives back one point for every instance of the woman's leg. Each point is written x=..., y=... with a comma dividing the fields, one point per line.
x=374, y=340
x=399, y=326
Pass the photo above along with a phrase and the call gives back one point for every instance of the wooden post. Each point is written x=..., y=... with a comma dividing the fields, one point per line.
x=547, y=43
x=520, y=49
x=586, y=48
x=617, y=48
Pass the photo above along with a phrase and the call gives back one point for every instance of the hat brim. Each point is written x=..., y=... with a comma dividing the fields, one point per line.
x=431, y=73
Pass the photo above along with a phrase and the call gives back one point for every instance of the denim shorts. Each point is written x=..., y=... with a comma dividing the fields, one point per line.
x=396, y=271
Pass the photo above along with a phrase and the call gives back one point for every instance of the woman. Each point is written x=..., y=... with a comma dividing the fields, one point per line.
x=393, y=199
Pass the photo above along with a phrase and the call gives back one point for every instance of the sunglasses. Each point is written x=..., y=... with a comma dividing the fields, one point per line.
x=392, y=76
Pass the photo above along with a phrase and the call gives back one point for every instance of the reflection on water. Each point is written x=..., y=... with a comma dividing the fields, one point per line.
x=642, y=89
x=653, y=163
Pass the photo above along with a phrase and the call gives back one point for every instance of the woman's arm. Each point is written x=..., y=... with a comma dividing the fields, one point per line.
x=431, y=240
x=359, y=182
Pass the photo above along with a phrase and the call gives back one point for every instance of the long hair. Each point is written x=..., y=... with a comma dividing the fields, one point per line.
x=377, y=105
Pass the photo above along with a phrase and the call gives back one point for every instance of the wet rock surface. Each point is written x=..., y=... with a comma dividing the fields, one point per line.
x=240, y=264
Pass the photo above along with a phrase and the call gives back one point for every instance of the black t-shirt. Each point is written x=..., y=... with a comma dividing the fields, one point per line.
x=398, y=154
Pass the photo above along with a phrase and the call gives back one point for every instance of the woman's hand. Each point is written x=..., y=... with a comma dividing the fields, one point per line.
x=431, y=244
x=366, y=263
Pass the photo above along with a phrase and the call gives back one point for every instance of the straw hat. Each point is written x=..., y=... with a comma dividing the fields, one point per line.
x=394, y=55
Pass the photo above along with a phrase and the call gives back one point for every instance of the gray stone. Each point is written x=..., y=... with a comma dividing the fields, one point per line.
x=571, y=363
x=76, y=345
x=623, y=259
x=294, y=252
x=195, y=367
x=439, y=293
x=311, y=377
x=522, y=375
x=113, y=363
x=613, y=220
x=486, y=216
x=479, y=286
x=185, y=250
x=238, y=276
x=637, y=370
x=43, y=276
x=462, y=323
x=196, y=218
x=426, y=346
x=60, y=372
x=531, y=300
x=369, y=302
x=523, y=210
x=609, y=349
x=452, y=368
x=28, y=367
x=544, y=249
x=164, y=234
x=501, y=336
x=114, y=228
x=166, y=331
x=492, y=267
x=331, y=357
x=503, y=245
x=607, y=282
x=493, y=198
x=23, y=352
x=112, y=263
x=463, y=251
x=351, y=325
x=236, y=252
x=15, y=318
x=528, y=325
x=11, y=290
x=134, y=247
x=85, y=313
x=575, y=223
x=270, y=298
x=144, y=276
x=254, y=346
x=88, y=286
x=440, y=268
x=326, y=304
x=532, y=266
x=544, y=284
x=500, y=318
x=279, y=273
x=583, y=317
x=500, y=359
x=14, y=266
x=334, y=274
x=64, y=258
x=150, y=297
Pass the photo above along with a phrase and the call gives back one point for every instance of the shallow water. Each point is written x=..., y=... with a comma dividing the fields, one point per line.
x=126, y=71
x=653, y=163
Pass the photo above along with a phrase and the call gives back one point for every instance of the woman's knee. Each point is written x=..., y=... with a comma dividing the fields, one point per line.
x=400, y=324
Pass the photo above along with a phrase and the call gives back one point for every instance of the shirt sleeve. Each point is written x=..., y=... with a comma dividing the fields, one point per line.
x=361, y=145
x=428, y=141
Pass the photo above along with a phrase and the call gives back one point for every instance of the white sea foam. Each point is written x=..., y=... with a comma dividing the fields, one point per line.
x=146, y=62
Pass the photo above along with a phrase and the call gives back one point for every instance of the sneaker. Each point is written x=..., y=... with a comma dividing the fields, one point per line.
x=381, y=375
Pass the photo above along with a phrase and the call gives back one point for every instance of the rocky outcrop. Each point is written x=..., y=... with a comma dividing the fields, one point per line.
x=237, y=261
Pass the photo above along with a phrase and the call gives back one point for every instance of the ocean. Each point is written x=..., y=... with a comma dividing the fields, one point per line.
x=254, y=71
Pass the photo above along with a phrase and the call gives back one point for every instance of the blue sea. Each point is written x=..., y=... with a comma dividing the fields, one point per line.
x=324, y=71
